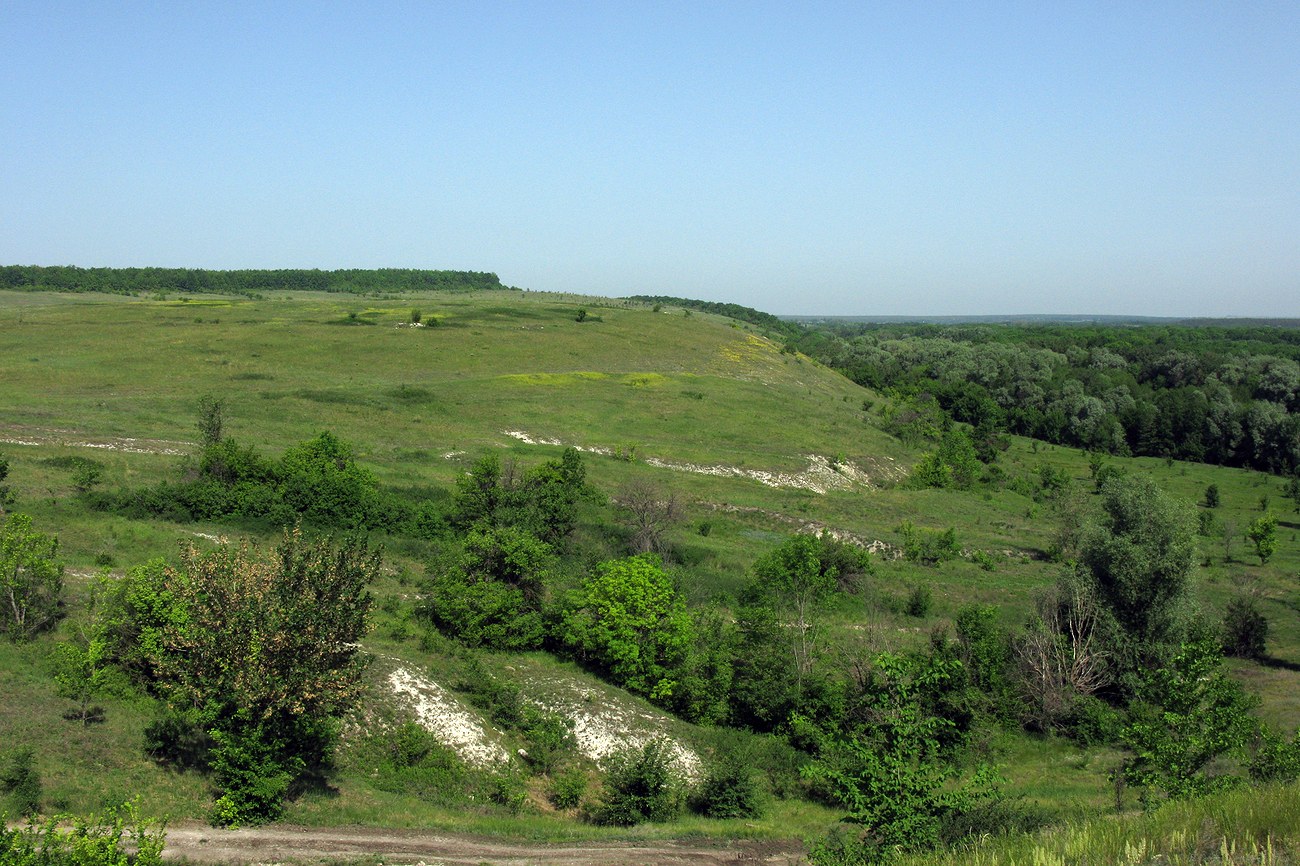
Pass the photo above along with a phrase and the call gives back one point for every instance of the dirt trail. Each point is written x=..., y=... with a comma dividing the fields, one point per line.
x=306, y=845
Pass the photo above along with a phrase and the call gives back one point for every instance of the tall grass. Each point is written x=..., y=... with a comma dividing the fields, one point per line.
x=1245, y=826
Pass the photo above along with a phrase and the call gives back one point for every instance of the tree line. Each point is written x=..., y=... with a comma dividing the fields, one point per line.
x=1229, y=396
x=249, y=283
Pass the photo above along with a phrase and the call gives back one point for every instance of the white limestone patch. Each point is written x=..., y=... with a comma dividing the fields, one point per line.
x=450, y=721
x=605, y=727
x=821, y=474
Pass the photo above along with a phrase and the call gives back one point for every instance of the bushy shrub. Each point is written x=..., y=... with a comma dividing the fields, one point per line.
x=928, y=546
x=640, y=786
x=1245, y=630
x=1276, y=760
x=919, y=601
x=729, y=789
x=567, y=789
x=21, y=783
x=116, y=838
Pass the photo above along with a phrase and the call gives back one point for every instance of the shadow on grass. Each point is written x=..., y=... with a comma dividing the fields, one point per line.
x=1282, y=664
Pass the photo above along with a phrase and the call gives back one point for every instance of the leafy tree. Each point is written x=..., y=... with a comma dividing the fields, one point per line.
x=212, y=420
x=1187, y=714
x=260, y=652
x=543, y=501
x=31, y=579
x=321, y=481
x=1212, y=496
x=1262, y=533
x=491, y=593
x=729, y=789
x=796, y=577
x=1138, y=556
x=954, y=464
x=892, y=776
x=629, y=620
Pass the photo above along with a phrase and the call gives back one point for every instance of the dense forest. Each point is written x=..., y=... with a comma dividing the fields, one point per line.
x=133, y=281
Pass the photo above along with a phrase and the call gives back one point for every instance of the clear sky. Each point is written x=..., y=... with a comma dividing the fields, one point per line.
x=801, y=157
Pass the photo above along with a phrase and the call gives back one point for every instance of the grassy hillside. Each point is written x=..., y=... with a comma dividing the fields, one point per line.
x=756, y=442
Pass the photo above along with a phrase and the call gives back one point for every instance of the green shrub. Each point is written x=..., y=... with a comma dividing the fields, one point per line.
x=21, y=783
x=919, y=601
x=1212, y=496
x=1276, y=760
x=1245, y=630
x=116, y=838
x=567, y=789
x=639, y=787
x=729, y=789
x=509, y=791
x=928, y=546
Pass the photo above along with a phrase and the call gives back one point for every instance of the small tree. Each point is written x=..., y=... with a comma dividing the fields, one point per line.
x=260, y=652
x=1262, y=533
x=629, y=620
x=1187, y=714
x=5, y=496
x=1245, y=630
x=31, y=580
x=1212, y=496
x=212, y=420
x=892, y=778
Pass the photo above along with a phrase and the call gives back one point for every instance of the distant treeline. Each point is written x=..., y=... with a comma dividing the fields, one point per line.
x=734, y=311
x=132, y=281
x=1225, y=395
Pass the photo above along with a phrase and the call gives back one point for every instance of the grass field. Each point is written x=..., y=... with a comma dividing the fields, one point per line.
x=756, y=442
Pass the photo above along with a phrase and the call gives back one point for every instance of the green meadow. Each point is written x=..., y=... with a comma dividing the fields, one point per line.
x=756, y=443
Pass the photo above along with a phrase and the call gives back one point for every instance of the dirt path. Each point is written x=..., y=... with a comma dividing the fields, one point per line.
x=306, y=845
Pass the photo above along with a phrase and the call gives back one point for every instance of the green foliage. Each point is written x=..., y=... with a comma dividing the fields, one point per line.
x=119, y=837
x=985, y=649
x=543, y=501
x=581, y=316
x=629, y=621
x=407, y=759
x=919, y=601
x=1212, y=496
x=6, y=495
x=568, y=788
x=20, y=782
x=31, y=579
x=212, y=420
x=1138, y=556
x=249, y=283
x=1275, y=759
x=928, y=546
x=260, y=652
x=729, y=789
x=1245, y=630
x=1262, y=533
x=1186, y=715
x=639, y=786
x=954, y=464
x=491, y=593
x=892, y=776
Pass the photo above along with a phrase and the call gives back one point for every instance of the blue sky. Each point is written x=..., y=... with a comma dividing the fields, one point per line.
x=850, y=158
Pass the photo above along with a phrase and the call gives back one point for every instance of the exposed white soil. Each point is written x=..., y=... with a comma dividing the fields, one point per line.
x=604, y=727
x=35, y=436
x=876, y=546
x=820, y=475
x=442, y=714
